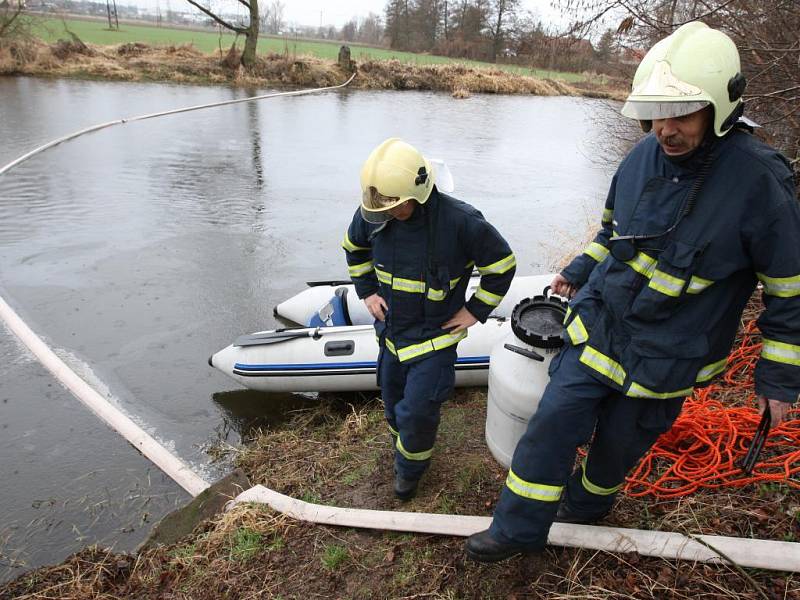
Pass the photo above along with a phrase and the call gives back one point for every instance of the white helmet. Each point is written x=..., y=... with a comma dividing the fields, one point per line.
x=692, y=68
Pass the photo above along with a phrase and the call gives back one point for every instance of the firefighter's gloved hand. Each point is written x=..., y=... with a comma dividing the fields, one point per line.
x=460, y=321
x=376, y=306
x=777, y=410
x=561, y=286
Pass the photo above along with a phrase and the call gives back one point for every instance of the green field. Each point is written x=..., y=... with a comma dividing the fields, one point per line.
x=96, y=32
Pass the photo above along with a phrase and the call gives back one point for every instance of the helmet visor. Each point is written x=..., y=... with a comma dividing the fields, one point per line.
x=375, y=206
x=375, y=216
x=651, y=110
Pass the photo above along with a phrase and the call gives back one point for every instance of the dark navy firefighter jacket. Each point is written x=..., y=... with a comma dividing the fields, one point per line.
x=662, y=323
x=421, y=267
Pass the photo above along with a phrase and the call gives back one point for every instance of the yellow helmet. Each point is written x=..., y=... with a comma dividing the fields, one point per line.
x=394, y=172
x=691, y=68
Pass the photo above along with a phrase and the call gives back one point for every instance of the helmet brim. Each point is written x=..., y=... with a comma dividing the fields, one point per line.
x=650, y=110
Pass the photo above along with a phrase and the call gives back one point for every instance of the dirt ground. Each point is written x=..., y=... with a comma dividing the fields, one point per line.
x=339, y=453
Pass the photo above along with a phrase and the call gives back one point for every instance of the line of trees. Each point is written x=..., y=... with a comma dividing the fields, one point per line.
x=469, y=28
x=364, y=30
x=767, y=33
x=490, y=30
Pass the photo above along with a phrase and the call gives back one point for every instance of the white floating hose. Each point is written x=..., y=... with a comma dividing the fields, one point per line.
x=759, y=554
x=100, y=126
x=142, y=441
x=145, y=443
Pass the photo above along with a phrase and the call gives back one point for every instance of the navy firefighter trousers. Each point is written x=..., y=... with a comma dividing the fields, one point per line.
x=573, y=407
x=412, y=396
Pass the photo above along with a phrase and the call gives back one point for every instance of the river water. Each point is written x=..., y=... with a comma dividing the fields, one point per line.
x=138, y=251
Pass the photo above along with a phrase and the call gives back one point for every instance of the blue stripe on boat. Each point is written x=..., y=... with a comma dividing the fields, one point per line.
x=467, y=360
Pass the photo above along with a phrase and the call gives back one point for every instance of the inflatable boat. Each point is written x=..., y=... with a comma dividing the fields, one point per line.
x=329, y=359
x=337, y=350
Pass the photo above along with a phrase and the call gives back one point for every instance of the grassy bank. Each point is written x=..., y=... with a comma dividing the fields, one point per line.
x=338, y=453
x=86, y=49
x=186, y=64
x=96, y=32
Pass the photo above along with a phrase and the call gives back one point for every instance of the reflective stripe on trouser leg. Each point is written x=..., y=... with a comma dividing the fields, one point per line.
x=626, y=429
x=545, y=455
x=426, y=384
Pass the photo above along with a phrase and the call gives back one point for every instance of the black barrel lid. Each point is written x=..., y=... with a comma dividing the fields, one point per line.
x=539, y=321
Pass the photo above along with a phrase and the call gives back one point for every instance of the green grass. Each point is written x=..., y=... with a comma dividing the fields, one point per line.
x=246, y=543
x=334, y=557
x=97, y=32
x=311, y=497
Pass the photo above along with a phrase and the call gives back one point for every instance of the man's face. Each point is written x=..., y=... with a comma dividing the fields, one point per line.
x=679, y=135
x=403, y=211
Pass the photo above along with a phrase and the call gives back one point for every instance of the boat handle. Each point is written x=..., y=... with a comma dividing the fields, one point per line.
x=524, y=352
x=344, y=348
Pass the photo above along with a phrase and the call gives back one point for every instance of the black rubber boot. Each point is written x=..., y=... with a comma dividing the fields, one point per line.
x=566, y=515
x=405, y=489
x=482, y=547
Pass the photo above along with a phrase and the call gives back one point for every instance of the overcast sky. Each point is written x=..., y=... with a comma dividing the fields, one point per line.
x=328, y=12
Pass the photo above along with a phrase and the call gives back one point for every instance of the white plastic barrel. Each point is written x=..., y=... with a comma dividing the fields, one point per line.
x=516, y=379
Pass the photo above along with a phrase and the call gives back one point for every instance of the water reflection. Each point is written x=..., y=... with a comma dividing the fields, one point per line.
x=254, y=125
x=245, y=412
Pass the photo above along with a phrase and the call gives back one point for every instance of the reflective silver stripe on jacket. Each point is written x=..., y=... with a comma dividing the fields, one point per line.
x=782, y=287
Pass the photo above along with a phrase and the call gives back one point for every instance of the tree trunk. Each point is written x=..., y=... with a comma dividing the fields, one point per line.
x=251, y=39
x=498, y=31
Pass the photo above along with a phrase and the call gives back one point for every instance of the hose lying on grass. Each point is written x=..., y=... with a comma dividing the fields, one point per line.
x=743, y=552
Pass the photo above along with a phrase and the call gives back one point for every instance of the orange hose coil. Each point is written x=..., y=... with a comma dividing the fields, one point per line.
x=706, y=442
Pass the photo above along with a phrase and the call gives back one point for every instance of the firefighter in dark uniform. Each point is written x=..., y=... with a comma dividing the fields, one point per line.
x=410, y=252
x=698, y=213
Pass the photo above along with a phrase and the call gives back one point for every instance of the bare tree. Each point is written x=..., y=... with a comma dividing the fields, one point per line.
x=502, y=13
x=371, y=29
x=349, y=30
x=263, y=14
x=10, y=11
x=250, y=30
x=275, y=22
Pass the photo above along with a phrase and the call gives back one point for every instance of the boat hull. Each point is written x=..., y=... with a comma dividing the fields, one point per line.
x=330, y=359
